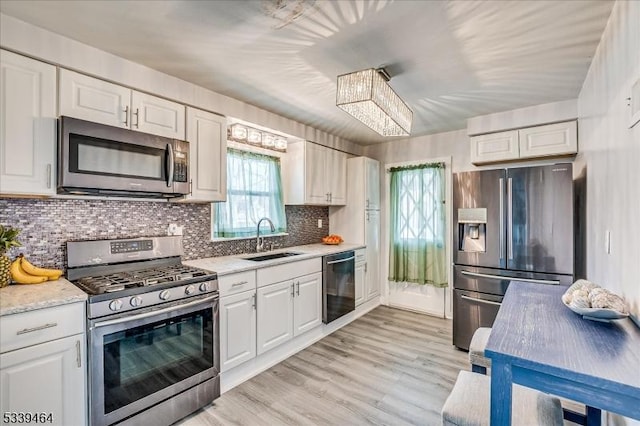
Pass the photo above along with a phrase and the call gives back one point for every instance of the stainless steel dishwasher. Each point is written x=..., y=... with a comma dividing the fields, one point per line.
x=338, y=285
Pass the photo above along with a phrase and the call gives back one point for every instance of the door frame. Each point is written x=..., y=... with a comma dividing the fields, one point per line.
x=443, y=306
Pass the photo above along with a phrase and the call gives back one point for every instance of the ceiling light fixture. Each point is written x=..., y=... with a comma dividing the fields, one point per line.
x=367, y=96
x=241, y=133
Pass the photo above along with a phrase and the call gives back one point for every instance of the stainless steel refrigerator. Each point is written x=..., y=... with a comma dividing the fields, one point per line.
x=513, y=224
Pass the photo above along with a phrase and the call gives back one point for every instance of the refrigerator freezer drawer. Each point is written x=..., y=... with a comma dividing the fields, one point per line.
x=496, y=281
x=472, y=310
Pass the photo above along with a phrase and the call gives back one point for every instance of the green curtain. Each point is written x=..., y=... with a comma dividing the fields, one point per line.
x=417, y=241
x=254, y=190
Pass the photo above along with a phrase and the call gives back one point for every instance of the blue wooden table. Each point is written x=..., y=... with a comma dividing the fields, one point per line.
x=538, y=342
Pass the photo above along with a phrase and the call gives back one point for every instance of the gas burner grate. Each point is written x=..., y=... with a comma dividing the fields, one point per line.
x=142, y=278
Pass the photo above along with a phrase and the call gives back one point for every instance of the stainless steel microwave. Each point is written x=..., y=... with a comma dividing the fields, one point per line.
x=96, y=159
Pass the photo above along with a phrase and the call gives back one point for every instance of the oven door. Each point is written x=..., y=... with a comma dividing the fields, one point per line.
x=140, y=360
x=95, y=158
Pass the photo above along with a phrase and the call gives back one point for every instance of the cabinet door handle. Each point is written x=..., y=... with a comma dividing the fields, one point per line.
x=126, y=116
x=293, y=290
x=331, y=197
x=255, y=301
x=298, y=291
x=137, y=118
x=48, y=175
x=367, y=216
x=365, y=266
x=38, y=328
x=239, y=284
x=190, y=186
x=367, y=202
x=78, y=354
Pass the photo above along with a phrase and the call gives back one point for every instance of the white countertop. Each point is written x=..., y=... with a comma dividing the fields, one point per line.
x=18, y=298
x=225, y=265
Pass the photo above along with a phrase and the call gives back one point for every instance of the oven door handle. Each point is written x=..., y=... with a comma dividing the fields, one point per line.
x=153, y=313
x=341, y=260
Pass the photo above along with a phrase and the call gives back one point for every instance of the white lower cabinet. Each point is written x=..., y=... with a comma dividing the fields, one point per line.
x=275, y=315
x=360, y=276
x=307, y=303
x=45, y=379
x=237, y=329
x=287, y=309
x=42, y=366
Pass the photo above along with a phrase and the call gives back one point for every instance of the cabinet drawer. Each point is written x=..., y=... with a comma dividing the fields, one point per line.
x=287, y=271
x=42, y=325
x=361, y=255
x=236, y=283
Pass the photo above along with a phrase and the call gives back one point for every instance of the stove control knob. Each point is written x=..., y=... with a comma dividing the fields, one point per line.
x=189, y=289
x=136, y=301
x=204, y=287
x=165, y=294
x=115, y=305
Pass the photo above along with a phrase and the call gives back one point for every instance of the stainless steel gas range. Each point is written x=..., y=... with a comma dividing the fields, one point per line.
x=152, y=327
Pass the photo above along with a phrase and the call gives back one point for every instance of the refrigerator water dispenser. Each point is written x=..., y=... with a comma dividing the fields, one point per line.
x=472, y=225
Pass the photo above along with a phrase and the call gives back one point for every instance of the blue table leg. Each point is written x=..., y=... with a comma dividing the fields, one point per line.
x=501, y=390
x=594, y=416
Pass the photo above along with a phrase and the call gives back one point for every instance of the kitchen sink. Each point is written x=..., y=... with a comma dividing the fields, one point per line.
x=271, y=256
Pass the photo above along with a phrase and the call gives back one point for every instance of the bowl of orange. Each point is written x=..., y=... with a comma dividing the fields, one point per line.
x=332, y=239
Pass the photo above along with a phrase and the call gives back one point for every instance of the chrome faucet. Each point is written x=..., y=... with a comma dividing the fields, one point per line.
x=260, y=240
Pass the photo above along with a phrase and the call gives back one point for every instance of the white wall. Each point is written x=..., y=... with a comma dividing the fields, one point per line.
x=47, y=46
x=610, y=157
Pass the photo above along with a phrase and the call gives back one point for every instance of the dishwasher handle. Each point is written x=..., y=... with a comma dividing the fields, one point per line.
x=341, y=260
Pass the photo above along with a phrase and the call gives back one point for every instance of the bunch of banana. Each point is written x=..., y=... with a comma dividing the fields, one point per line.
x=23, y=272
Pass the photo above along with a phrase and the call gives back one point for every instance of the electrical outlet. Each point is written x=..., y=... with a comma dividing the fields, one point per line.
x=319, y=223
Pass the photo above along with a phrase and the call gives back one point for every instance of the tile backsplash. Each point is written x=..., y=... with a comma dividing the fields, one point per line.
x=47, y=224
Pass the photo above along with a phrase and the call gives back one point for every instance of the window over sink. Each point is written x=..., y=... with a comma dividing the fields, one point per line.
x=254, y=191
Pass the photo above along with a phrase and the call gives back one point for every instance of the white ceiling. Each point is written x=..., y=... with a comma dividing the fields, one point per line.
x=449, y=60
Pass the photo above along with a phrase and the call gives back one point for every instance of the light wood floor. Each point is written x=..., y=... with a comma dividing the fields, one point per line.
x=389, y=367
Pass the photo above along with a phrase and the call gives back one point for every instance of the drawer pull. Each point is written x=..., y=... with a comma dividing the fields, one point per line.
x=41, y=327
x=78, y=354
x=239, y=284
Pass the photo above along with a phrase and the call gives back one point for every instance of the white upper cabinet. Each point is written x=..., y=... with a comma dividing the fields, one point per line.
x=207, y=137
x=315, y=174
x=158, y=116
x=531, y=142
x=372, y=184
x=27, y=126
x=335, y=174
x=552, y=139
x=495, y=147
x=316, y=188
x=92, y=99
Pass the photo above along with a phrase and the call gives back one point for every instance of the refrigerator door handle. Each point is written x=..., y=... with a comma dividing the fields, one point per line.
x=502, y=237
x=488, y=302
x=510, y=218
x=502, y=277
